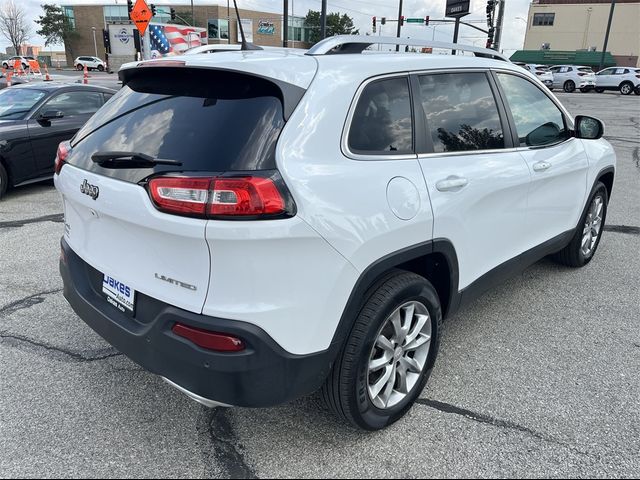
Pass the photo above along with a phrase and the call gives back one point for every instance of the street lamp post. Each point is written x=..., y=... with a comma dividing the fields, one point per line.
x=95, y=44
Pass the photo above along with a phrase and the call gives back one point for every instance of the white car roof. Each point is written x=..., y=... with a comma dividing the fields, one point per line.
x=297, y=68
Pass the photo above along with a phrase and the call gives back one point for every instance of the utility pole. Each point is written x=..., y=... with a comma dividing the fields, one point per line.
x=399, y=24
x=323, y=20
x=228, y=24
x=606, y=35
x=193, y=19
x=500, y=20
x=456, y=30
x=285, y=26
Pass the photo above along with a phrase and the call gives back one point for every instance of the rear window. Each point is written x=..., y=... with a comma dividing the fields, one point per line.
x=585, y=69
x=209, y=121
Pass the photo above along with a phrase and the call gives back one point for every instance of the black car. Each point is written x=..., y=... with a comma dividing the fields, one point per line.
x=34, y=119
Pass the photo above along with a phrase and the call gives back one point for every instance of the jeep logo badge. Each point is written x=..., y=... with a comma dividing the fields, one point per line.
x=89, y=189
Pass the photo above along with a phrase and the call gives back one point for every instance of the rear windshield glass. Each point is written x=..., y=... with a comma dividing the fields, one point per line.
x=209, y=121
x=585, y=69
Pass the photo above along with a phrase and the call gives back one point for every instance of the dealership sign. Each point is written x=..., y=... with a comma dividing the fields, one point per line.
x=457, y=8
x=266, y=27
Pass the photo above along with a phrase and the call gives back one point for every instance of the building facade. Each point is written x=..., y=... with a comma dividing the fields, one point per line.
x=574, y=25
x=261, y=28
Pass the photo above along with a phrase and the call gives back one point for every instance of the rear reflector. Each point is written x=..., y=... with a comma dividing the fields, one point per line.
x=218, y=342
x=61, y=155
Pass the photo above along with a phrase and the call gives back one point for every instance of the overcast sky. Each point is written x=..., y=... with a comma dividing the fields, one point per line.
x=360, y=10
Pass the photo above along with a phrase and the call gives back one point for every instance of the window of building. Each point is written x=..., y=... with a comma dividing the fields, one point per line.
x=461, y=112
x=538, y=120
x=382, y=122
x=218, y=28
x=70, y=15
x=543, y=19
x=116, y=14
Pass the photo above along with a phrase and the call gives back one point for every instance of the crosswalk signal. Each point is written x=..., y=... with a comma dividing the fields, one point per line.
x=490, y=35
x=402, y=20
x=374, y=24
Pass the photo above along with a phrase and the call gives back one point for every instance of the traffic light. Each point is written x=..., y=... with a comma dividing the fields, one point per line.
x=374, y=24
x=426, y=20
x=153, y=9
x=490, y=35
x=402, y=20
x=173, y=14
x=130, y=5
x=383, y=21
x=491, y=6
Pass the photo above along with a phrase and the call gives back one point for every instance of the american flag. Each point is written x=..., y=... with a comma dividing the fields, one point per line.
x=169, y=39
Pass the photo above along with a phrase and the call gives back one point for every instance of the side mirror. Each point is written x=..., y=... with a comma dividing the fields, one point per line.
x=51, y=114
x=589, y=128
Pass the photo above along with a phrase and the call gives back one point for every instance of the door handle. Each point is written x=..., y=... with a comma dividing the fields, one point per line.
x=452, y=183
x=541, y=166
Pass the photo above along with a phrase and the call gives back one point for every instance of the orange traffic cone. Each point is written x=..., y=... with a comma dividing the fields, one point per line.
x=9, y=75
x=47, y=78
x=85, y=77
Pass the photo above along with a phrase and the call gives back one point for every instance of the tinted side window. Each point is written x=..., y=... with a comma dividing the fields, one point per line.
x=538, y=120
x=75, y=103
x=382, y=119
x=461, y=112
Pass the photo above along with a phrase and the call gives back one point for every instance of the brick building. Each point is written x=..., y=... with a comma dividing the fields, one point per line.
x=262, y=28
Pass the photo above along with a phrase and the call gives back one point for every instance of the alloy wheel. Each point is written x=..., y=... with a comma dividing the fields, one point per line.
x=399, y=354
x=592, y=226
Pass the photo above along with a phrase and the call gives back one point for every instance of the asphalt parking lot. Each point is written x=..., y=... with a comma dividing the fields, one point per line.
x=537, y=378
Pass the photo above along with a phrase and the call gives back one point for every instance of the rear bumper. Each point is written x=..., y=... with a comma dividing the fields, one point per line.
x=263, y=375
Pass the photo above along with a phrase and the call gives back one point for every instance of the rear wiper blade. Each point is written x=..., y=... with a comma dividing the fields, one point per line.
x=129, y=160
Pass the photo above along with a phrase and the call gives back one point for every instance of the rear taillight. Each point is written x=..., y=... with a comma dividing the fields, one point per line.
x=218, y=342
x=61, y=155
x=179, y=195
x=582, y=74
x=245, y=196
x=233, y=197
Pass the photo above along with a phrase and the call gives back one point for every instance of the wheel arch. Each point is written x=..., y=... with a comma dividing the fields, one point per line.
x=606, y=176
x=436, y=260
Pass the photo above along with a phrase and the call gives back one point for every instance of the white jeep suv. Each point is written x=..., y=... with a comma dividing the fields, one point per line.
x=254, y=226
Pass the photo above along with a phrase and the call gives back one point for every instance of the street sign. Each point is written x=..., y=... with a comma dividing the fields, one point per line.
x=141, y=16
x=457, y=8
x=414, y=20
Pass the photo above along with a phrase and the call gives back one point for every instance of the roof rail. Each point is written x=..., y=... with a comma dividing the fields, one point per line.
x=345, y=44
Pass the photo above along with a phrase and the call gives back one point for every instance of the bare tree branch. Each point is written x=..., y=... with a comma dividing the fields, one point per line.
x=14, y=25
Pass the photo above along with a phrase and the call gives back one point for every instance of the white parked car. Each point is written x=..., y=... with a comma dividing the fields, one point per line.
x=624, y=79
x=253, y=231
x=92, y=63
x=24, y=61
x=541, y=71
x=570, y=77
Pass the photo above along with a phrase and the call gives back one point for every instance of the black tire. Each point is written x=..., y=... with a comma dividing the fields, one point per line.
x=599, y=89
x=586, y=89
x=100, y=68
x=637, y=90
x=4, y=181
x=626, y=88
x=79, y=67
x=345, y=391
x=569, y=86
x=572, y=255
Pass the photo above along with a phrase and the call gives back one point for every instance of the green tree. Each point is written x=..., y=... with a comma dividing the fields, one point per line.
x=57, y=28
x=336, y=25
